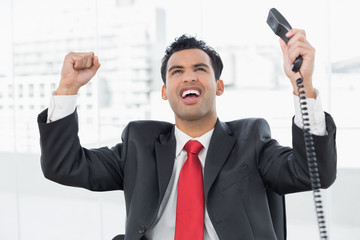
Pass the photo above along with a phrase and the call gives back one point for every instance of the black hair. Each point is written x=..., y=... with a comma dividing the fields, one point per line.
x=188, y=42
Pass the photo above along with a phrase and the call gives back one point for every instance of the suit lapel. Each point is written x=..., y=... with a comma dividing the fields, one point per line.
x=165, y=156
x=220, y=147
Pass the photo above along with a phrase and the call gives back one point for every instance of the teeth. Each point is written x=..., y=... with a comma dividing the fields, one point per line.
x=185, y=93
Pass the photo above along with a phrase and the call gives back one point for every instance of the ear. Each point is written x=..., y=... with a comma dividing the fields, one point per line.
x=163, y=93
x=219, y=87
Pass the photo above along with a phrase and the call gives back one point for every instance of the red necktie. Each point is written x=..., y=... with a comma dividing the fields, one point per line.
x=190, y=198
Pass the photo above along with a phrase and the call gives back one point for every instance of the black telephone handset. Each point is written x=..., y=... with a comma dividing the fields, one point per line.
x=280, y=26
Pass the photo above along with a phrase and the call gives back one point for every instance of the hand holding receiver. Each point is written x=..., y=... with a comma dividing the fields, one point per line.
x=297, y=52
x=77, y=70
x=298, y=46
x=281, y=27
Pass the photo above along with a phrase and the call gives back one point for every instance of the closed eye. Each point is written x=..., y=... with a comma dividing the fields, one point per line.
x=200, y=69
x=177, y=71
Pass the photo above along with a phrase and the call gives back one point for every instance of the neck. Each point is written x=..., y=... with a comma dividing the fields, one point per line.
x=198, y=127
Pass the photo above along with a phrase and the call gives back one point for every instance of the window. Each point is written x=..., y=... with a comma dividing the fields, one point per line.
x=130, y=38
x=42, y=89
x=10, y=91
x=31, y=90
x=20, y=91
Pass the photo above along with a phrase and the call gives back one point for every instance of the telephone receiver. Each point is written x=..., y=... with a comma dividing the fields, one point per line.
x=280, y=26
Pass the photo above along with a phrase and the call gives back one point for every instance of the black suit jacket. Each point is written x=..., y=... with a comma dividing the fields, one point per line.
x=242, y=161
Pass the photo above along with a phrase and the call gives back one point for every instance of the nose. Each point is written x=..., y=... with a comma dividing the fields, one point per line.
x=189, y=76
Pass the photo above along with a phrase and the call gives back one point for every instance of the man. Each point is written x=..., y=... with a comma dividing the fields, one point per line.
x=238, y=160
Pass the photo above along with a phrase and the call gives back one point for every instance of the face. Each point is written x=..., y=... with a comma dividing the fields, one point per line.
x=191, y=87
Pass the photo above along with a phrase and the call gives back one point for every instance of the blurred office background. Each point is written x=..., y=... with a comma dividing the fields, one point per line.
x=130, y=37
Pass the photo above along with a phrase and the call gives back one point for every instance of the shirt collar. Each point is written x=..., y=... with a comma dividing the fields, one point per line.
x=182, y=138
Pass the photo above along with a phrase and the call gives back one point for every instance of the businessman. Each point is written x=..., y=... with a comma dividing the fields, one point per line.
x=199, y=178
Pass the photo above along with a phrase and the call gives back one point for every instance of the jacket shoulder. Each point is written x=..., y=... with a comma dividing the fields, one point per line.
x=247, y=127
x=246, y=123
x=148, y=128
x=149, y=124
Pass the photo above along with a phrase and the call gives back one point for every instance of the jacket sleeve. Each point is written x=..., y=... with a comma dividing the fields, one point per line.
x=65, y=161
x=285, y=169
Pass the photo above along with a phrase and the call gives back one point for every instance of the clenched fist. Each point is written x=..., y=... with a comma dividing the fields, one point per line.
x=77, y=70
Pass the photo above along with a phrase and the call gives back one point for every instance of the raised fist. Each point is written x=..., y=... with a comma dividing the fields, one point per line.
x=77, y=70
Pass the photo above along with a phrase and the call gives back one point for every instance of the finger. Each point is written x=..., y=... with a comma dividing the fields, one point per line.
x=294, y=32
x=293, y=55
x=297, y=38
x=78, y=62
x=95, y=64
x=284, y=47
x=301, y=48
x=285, y=51
x=89, y=60
x=83, y=60
x=295, y=50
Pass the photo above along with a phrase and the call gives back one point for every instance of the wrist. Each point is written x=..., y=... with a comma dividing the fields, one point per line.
x=310, y=92
x=307, y=87
x=61, y=90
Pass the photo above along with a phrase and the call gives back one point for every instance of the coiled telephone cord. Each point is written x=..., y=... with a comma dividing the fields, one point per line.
x=311, y=159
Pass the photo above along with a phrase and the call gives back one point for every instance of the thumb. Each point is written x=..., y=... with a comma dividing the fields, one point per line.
x=284, y=47
x=285, y=52
x=96, y=64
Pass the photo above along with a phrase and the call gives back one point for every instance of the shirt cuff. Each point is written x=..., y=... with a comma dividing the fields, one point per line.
x=316, y=115
x=61, y=106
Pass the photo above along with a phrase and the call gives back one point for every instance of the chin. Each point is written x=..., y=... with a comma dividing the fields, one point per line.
x=193, y=115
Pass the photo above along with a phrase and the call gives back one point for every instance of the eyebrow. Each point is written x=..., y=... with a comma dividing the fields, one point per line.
x=201, y=65
x=175, y=66
x=194, y=66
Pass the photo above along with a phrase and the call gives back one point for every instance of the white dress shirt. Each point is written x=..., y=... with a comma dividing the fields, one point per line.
x=164, y=225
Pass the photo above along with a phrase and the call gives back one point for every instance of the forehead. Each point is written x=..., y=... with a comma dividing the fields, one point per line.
x=188, y=57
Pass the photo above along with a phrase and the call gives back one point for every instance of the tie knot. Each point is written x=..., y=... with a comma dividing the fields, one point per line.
x=193, y=147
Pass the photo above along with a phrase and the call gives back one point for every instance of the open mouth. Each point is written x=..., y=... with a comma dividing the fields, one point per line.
x=190, y=95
